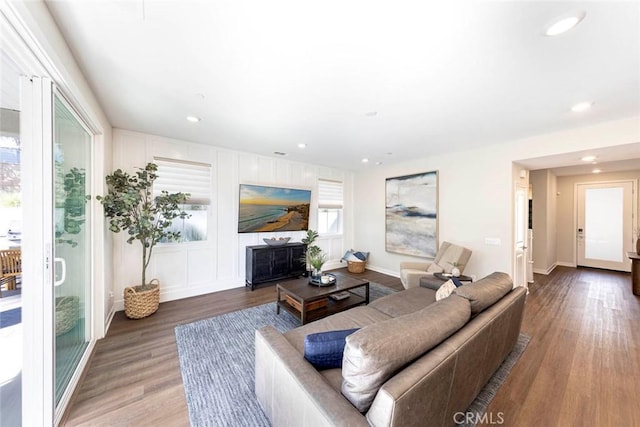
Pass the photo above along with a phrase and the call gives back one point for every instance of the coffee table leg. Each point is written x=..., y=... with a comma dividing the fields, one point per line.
x=366, y=293
x=303, y=314
x=278, y=299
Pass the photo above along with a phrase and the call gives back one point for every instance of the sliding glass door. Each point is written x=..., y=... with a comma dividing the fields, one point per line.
x=72, y=243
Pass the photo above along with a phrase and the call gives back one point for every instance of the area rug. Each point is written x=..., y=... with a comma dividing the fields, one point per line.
x=217, y=365
x=10, y=317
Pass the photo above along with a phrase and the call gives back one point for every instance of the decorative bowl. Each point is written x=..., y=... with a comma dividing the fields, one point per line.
x=277, y=242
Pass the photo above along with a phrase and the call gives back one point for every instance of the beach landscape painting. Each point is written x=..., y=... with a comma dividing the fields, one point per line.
x=268, y=209
x=412, y=214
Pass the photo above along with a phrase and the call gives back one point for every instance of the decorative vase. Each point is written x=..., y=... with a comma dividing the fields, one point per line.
x=316, y=275
x=455, y=272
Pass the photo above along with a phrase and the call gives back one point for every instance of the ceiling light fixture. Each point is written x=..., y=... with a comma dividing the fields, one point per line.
x=588, y=158
x=193, y=119
x=581, y=106
x=371, y=113
x=378, y=163
x=596, y=171
x=302, y=145
x=365, y=160
x=564, y=24
x=279, y=153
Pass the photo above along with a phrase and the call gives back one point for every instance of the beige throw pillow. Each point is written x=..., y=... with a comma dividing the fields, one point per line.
x=445, y=290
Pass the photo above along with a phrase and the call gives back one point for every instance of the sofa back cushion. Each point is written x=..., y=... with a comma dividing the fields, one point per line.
x=375, y=353
x=486, y=291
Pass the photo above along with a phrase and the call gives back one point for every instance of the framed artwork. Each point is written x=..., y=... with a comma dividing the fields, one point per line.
x=411, y=224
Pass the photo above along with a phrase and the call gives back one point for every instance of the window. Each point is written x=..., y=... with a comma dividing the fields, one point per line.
x=187, y=177
x=329, y=207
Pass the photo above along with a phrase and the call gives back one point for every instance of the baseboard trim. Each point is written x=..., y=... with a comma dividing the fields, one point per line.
x=547, y=271
x=178, y=292
x=566, y=264
x=383, y=271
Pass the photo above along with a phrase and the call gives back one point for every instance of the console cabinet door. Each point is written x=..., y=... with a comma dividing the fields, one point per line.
x=266, y=263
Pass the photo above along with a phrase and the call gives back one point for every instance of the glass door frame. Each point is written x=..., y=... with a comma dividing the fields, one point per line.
x=625, y=264
x=42, y=70
x=89, y=301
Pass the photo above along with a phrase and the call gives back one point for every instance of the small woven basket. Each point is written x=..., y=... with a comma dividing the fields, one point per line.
x=67, y=314
x=356, y=266
x=141, y=303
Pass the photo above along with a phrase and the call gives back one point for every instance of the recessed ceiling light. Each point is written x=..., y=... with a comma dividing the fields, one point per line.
x=588, y=158
x=581, y=106
x=302, y=145
x=564, y=24
x=378, y=163
x=596, y=171
x=193, y=119
x=371, y=113
x=279, y=153
x=365, y=160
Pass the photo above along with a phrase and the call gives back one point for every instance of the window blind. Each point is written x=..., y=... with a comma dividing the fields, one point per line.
x=183, y=176
x=329, y=194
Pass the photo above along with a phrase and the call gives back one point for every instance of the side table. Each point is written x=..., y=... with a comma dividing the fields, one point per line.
x=437, y=279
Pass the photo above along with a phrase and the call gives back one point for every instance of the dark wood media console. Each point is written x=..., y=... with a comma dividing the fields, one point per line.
x=266, y=263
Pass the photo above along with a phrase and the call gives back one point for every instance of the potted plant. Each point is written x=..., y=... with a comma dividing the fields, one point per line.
x=130, y=205
x=311, y=250
x=316, y=261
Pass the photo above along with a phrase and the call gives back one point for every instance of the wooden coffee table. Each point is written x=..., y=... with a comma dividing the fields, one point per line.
x=308, y=302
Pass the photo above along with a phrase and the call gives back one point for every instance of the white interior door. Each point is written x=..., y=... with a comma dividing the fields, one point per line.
x=605, y=225
x=521, y=214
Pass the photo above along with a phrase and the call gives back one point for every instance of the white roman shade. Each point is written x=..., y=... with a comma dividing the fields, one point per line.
x=329, y=194
x=183, y=176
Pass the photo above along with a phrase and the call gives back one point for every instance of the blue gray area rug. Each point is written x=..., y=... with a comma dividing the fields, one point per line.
x=10, y=317
x=217, y=364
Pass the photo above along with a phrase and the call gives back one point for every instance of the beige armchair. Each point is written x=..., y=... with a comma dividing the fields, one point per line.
x=412, y=272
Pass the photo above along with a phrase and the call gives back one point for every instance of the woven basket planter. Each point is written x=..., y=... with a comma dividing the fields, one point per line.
x=140, y=303
x=356, y=266
x=67, y=314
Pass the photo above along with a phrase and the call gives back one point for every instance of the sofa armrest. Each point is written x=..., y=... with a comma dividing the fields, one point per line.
x=414, y=265
x=291, y=391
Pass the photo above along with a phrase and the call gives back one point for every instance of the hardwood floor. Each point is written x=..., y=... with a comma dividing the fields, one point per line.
x=579, y=368
x=582, y=364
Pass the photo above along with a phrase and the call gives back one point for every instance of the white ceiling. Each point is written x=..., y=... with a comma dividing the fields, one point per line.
x=442, y=76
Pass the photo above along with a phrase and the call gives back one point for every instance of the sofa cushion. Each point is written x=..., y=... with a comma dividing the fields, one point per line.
x=324, y=349
x=373, y=354
x=357, y=317
x=486, y=291
x=404, y=302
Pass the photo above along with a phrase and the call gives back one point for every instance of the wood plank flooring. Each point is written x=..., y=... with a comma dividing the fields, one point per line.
x=579, y=368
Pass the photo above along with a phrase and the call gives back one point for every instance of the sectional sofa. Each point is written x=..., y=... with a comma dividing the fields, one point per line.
x=414, y=361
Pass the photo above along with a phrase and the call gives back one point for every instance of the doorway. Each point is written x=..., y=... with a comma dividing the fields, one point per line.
x=604, y=234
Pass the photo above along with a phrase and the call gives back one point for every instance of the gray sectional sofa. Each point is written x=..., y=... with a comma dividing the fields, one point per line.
x=414, y=362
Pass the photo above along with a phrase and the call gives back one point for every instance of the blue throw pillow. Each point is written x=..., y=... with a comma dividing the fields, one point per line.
x=456, y=281
x=324, y=349
x=360, y=256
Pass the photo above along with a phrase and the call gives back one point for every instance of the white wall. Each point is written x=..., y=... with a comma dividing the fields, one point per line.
x=196, y=268
x=475, y=193
x=544, y=188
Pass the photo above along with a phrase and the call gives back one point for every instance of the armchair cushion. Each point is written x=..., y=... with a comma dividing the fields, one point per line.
x=412, y=272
